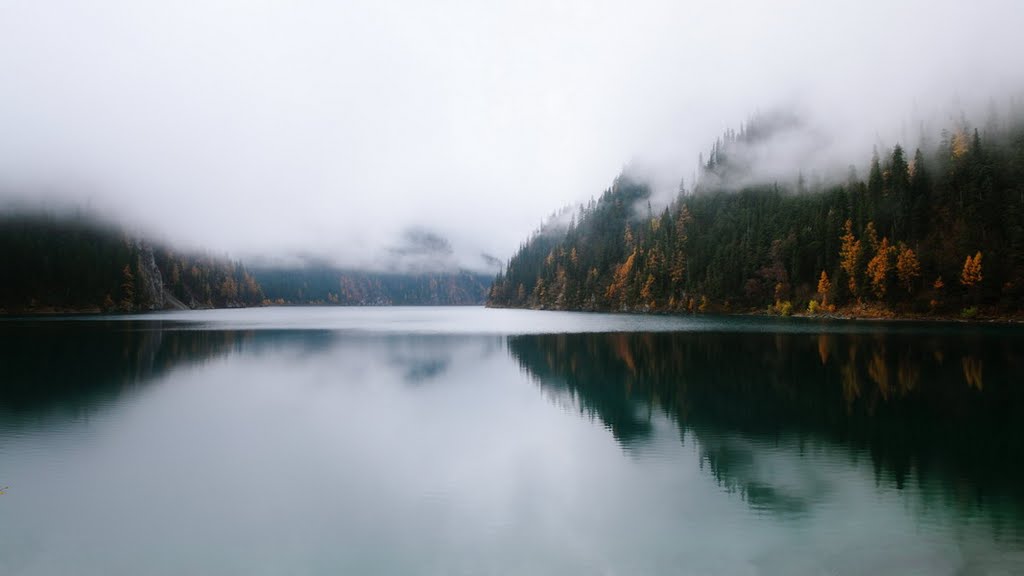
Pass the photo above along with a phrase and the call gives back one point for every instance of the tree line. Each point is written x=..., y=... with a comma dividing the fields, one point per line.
x=939, y=230
x=324, y=285
x=75, y=264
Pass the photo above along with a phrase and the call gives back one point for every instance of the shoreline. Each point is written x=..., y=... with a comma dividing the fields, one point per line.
x=842, y=315
x=845, y=314
x=49, y=312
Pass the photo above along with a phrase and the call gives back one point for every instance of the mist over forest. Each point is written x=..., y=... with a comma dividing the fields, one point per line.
x=397, y=139
x=331, y=131
x=939, y=230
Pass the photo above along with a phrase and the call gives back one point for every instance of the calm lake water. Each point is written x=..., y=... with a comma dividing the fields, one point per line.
x=474, y=441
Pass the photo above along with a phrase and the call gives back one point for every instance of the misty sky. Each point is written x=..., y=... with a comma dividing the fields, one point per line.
x=333, y=128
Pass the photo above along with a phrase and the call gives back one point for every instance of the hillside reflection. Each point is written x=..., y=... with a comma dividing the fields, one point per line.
x=72, y=367
x=939, y=409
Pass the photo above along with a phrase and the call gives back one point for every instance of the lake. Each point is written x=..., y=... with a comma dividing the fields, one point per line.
x=476, y=441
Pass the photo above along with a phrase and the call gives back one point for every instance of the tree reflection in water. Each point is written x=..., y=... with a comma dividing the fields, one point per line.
x=940, y=408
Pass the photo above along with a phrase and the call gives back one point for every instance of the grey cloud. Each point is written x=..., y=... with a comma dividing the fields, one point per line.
x=332, y=128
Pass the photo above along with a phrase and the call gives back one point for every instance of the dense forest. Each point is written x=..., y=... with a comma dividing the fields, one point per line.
x=936, y=231
x=327, y=285
x=75, y=264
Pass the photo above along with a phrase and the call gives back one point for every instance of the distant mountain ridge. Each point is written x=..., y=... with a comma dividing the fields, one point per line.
x=74, y=264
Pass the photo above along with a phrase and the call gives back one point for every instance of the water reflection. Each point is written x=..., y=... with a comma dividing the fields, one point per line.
x=940, y=409
x=65, y=369
x=73, y=367
x=325, y=450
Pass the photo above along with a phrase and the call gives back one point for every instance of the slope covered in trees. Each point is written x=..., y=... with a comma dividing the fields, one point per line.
x=939, y=230
x=78, y=265
x=57, y=264
x=327, y=285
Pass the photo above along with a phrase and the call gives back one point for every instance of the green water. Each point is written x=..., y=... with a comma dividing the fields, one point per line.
x=474, y=441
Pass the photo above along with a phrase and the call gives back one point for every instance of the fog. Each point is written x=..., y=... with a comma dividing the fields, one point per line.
x=347, y=130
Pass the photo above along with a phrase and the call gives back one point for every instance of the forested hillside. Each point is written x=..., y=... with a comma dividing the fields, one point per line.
x=936, y=230
x=74, y=264
x=326, y=285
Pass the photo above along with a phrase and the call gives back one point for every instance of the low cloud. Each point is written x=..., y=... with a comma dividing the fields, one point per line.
x=317, y=129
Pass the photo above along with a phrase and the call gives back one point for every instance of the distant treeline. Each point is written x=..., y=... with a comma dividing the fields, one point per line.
x=325, y=285
x=74, y=264
x=940, y=230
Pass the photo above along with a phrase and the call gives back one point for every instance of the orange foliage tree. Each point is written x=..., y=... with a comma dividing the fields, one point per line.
x=824, y=286
x=971, y=274
x=849, y=255
x=617, y=288
x=879, y=268
x=908, y=269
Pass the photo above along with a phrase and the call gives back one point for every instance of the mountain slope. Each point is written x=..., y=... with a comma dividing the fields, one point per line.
x=942, y=230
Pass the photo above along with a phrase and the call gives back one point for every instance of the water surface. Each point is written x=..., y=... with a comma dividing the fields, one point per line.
x=473, y=441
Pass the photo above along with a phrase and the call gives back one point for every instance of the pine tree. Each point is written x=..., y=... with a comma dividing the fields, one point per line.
x=875, y=185
x=127, y=289
x=920, y=192
x=678, y=267
x=899, y=189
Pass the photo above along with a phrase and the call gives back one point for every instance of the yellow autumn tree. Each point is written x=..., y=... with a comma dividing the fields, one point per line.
x=849, y=255
x=824, y=287
x=908, y=269
x=971, y=274
x=229, y=289
x=960, y=143
x=646, y=293
x=539, y=295
x=617, y=288
x=654, y=259
x=871, y=235
x=560, y=286
x=251, y=288
x=879, y=268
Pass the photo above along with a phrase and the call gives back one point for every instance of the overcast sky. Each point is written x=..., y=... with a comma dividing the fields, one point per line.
x=332, y=127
